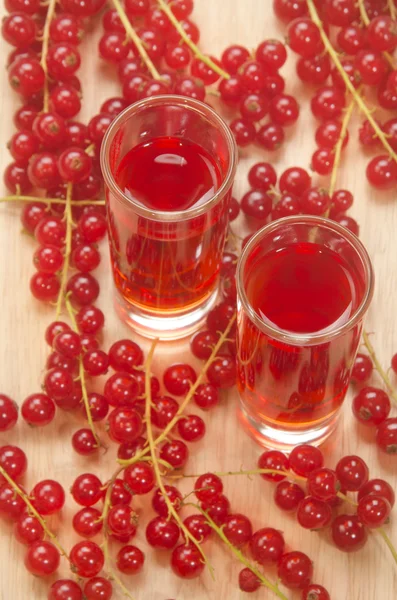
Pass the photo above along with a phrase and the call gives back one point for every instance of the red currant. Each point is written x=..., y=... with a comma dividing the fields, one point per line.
x=349, y=533
x=295, y=570
x=267, y=545
x=87, y=559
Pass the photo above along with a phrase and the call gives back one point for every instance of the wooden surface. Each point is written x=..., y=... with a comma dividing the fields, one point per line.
x=368, y=575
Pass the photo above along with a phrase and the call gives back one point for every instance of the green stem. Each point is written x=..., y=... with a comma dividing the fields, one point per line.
x=112, y=573
x=384, y=376
x=68, y=250
x=388, y=542
x=359, y=101
x=366, y=21
x=49, y=201
x=205, y=59
x=338, y=148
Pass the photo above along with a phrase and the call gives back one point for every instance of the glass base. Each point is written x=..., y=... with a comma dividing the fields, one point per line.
x=286, y=439
x=164, y=327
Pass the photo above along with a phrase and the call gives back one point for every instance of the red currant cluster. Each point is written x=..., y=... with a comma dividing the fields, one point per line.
x=365, y=34
x=325, y=489
x=295, y=195
x=372, y=406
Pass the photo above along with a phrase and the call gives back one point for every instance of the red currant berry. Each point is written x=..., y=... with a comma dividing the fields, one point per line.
x=273, y=460
x=362, y=368
x=305, y=458
x=386, y=436
x=130, y=560
x=87, y=489
x=139, y=478
x=377, y=487
x=84, y=442
x=43, y=170
x=175, y=453
x=28, y=530
x=287, y=10
x=286, y=206
x=248, y=581
x=87, y=559
x=352, y=473
x=14, y=462
x=208, y=488
x=373, y=511
x=179, y=378
x=267, y=545
x=191, y=428
x=288, y=495
x=295, y=570
x=244, y=131
x=162, y=533
x=234, y=57
x=206, y=396
x=90, y=319
x=323, y=161
x=371, y=66
x=74, y=165
x=323, y=484
x=8, y=413
x=124, y=424
x=96, y=362
x=122, y=520
x=98, y=588
x=198, y=526
x=63, y=60
x=42, y=559
x=83, y=288
x=38, y=410
x=313, y=513
x=328, y=103
x=314, y=70
x=26, y=76
x=382, y=172
x=87, y=522
x=238, y=529
x=222, y=372
x=315, y=592
x=349, y=533
x=371, y=406
x=270, y=136
x=187, y=562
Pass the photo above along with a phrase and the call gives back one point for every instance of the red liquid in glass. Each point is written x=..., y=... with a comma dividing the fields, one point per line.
x=161, y=264
x=304, y=288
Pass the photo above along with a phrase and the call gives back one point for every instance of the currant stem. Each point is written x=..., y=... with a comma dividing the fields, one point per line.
x=392, y=9
x=44, y=52
x=359, y=101
x=82, y=379
x=239, y=555
x=388, y=542
x=338, y=149
x=383, y=374
x=112, y=573
x=68, y=248
x=366, y=20
x=288, y=474
x=190, y=43
x=188, y=397
x=156, y=468
x=50, y=201
x=136, y=39
x=34, y=512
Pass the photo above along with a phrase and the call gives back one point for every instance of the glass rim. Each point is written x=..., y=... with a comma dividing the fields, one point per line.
x=290, y=337
x=174, y=100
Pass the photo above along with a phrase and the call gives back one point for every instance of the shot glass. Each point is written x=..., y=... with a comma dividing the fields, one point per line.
x=304, y=285
x=166, y=263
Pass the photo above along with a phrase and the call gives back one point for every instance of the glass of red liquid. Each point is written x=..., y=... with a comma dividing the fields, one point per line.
x=304, y=285
x=168, y=164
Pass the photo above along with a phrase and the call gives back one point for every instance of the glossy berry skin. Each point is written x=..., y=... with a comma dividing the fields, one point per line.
x=208, y=487
x=386, y=436
x=314, y=201
x=253, y=107
x=328, y=132
x=28, y=530
x=248, y=581
x=323, y=161
x=262, y=176
x=328, y=103
x=11, y=504
x=90, y=319
x=98, y=588
x=95, y=362
x=362, y=368
x=234, y=57
x=287, y=205
x=42, y=559
x=371, y=406
x=163, y=411
x=67, y=343
x=198, y=526
x=121, y=389
x=65, y=589
x=222, y=372
x=382, y=172
x=238, y=529
x=349, y=533
x=179, y=378
x=186, y=561
x=85, y=258
x=87, y=522
x=87, y=489
x=371, y=66
x=342, y=200
x=8, y=413
x=270, y=136
x=130, y=560
x=244, y=131
x=19, y=30
x=74, y=165
x=323, y=484
x=191, y=428
x=87, y=559
x=373, y=511
x=121, y=520
x=140, y=478
x=125, y=355
x=48, y=497
x=352, y=473
x=83, y=288
x=275, y=461
x=48, y=259
x=284, y=110
x=159, y=504
x=288, y=495
x=84, y=442
x=50, y=230
x=92, y=227
x=175, y=453
x=313, y=513
x=218, y=509
x=315, y=592
x=295, y=180
x=287, y=10
x=162, y=533
x=377, y=487
x=44, y=287
x=304, y=38
x=63, y=60
x=125, y=424
x=58, y=384
x=272, y=54
x=267, y=545
x=16, y=178
x=295, y=570
x=305, y=458
x=31, y=215
x=202, y=343
x=65, y=101
x=314, y=70
x=26, y=76
x=23, y=145
x=14, y=462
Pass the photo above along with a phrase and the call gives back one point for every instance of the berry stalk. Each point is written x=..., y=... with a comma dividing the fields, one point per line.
x=366, y=20
x=149, y=431
x=388, y=542
x=49, y=201
x=34, y=512
x=190, y=43
x=112, y=573
x=239, y=555
x=359, y=101
x=187, y=399
x=69, y=308
x=136, y=39
x=68, y=248
x=383, y=374
x=392, y=9
x=44, y=52
x=338, y=149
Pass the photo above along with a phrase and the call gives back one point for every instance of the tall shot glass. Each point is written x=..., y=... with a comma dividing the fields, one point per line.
x=292, y=385
x=166, y=263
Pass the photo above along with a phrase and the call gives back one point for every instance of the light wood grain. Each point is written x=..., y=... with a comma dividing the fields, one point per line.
x=369, y=575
